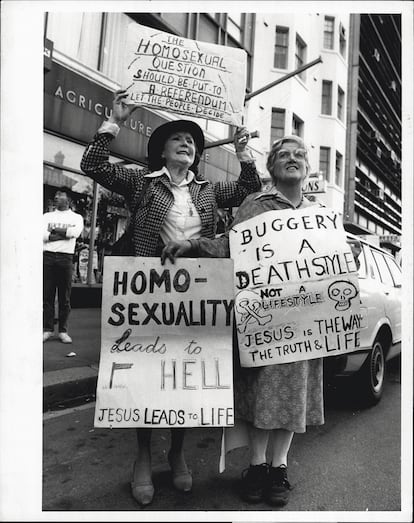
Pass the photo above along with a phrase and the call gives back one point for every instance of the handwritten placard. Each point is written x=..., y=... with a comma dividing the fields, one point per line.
x=297, y=292
x=184, y=76
x=166, y=350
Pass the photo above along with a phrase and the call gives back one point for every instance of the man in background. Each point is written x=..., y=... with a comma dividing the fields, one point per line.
x=61, y=227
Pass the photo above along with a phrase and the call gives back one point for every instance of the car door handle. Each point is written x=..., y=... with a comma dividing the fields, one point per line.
x=386, y=293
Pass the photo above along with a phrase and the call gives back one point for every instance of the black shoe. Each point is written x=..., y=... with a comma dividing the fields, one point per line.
x=278, y=486
x=254, y=480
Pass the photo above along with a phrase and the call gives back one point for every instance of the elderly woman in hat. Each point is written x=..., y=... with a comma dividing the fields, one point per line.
x=178, y=204
x=274, y=401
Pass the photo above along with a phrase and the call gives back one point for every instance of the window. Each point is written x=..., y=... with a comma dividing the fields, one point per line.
x=326, y=97
x=325, y=162
x=176, y=20
x=76, y=35
x=281, y=47
x=300, y=56
x=234, y=30
x=395, y=271
x=235, y=25
x=362, y=271
x=208, y=31
x=277, y=129
x=338, y=169
x=341, y=97
x=342, y=41
x=328, y=32
x=114, y=43
x=297, y=126
x=384, y=271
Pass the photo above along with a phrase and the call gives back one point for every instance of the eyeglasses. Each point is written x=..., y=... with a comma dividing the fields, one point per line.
x=284, y=154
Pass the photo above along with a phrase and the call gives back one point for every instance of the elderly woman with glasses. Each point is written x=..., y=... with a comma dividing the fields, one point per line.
x=276, y=400
x=171, y=201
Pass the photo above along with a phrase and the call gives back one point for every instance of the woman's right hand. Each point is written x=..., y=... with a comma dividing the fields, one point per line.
x=175, y=249
x=121, y=110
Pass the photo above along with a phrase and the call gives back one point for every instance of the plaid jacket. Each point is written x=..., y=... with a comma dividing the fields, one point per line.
x=158, y=199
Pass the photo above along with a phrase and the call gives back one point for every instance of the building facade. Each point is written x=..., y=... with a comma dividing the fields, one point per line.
x=346, y=108
x=311, y=104
x=82, y=69
x=373, y=157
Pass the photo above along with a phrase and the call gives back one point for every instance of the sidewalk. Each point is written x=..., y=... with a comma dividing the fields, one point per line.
x=67, y=380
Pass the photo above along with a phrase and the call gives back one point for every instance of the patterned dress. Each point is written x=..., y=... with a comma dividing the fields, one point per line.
x=284, y=396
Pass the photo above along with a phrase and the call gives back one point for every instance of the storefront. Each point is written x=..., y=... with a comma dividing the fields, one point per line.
x=74, y=108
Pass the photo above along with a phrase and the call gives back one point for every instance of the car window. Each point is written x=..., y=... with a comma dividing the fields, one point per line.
x=395, y=270
x=362, y=270
x=384, y=271
x=372, y=269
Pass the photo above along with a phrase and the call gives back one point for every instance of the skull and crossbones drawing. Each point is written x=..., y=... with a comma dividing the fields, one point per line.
x=249, y=313
x=342, y=292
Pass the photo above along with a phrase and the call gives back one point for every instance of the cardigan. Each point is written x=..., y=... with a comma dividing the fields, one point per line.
x=253, y=205
x=158, y=199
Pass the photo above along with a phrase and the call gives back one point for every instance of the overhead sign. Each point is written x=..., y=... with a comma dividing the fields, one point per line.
x=297, y=293
x=314, y=185
x=391, y=238
x=166, y=349
x=75, y=107
x=184, y=76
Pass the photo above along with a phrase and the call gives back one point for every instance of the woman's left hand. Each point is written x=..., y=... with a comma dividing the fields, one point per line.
x=175, y=249
x=240, y=139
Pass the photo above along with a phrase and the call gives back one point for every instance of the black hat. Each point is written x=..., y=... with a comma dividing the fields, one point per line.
x=161, y=134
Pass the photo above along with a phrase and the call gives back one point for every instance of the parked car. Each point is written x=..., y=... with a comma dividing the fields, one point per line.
x=380, y=291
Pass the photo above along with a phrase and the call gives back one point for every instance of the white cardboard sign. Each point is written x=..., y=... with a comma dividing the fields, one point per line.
x=297, y=292
x=184, y=76
x=166, y=344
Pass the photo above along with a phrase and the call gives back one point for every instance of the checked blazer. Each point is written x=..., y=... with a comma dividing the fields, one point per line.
x=158, y=199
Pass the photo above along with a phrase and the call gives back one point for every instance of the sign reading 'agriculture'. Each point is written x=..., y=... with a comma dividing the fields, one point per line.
x=297, y=292
x=184, y=76
x=166, y=349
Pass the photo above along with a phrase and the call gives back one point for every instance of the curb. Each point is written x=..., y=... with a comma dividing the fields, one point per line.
x=68, y=387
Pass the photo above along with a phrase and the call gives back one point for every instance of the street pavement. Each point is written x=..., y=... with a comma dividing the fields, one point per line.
x=72, y=379
x=352, y=463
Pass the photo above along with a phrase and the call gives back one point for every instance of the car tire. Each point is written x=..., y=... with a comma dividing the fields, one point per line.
x=371, y=377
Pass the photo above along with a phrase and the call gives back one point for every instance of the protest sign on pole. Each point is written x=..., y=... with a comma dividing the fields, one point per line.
x=297, y=292
x=184, y=76
x=166, y=344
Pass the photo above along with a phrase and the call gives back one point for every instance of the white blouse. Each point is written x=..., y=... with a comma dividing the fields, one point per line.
x=182, y=221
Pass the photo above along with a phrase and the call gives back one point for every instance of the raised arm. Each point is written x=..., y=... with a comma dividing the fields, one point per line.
x=95, y=161
x=232, y=194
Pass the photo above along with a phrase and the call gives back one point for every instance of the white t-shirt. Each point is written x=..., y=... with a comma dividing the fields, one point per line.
x=71, y=221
